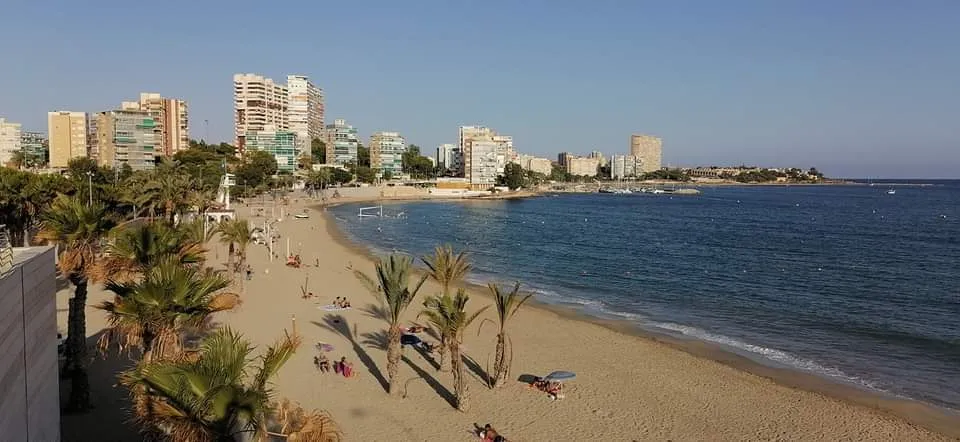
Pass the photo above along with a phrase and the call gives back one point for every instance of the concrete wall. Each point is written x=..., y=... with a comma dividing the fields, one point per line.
x=29, y=389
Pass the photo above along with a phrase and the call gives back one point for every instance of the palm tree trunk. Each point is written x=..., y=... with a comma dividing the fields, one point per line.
x=230, y=258
x=393, y=359
x=76, y=348
x=460, y=391
x=444, y=354
x=500, y=368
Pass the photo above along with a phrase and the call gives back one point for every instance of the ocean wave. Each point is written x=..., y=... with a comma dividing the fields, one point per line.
x=770, y=354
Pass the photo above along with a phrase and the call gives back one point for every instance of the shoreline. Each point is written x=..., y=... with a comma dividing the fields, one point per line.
x=941, y=420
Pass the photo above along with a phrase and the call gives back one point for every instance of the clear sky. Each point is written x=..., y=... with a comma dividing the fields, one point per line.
x=867, y=88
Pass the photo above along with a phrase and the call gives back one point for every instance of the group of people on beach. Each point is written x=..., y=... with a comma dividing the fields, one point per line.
x=552, y=388
x=339, y=367
x=342, y=303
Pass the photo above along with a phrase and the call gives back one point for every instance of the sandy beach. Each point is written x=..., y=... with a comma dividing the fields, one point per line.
x=629, y=388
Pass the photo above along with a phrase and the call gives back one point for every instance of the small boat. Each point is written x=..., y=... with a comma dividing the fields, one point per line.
x=892, y=192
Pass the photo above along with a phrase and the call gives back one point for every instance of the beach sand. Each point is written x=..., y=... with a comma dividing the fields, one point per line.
x=628, y=388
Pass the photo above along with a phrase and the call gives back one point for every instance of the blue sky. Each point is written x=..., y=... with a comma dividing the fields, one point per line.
x=856, y=88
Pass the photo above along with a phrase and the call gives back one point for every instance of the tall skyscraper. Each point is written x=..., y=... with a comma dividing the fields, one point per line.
x=172, y=125
x=9, y=140
x=648, y=150
x=126, y=137
x=386, y=152
x=304, y=110
x=68, y=137
x=257, y=103
x=342, y=142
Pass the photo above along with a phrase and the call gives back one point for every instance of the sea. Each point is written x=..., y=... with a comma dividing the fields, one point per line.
x=848, y=282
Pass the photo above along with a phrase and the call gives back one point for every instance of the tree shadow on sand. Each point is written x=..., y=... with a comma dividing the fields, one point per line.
x=337, y=324
x=430, y=380
x=379, y=340
x=478, y=371
x=376, y=312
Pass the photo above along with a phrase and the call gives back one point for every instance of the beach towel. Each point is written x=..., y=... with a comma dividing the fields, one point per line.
x=332, y=308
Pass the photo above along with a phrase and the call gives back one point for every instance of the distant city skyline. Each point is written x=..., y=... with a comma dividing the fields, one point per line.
x=855, y=89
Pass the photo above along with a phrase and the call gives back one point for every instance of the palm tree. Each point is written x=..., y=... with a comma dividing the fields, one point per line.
x=446, y=268
x=212, y=397
x=77, y=228
x=446, y=313
x=237, y=235
x=134, y=250
x=507, y=305
x=391, y=286
x=151, y=314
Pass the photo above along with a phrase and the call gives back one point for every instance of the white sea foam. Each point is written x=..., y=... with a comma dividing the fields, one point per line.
x=770, y=354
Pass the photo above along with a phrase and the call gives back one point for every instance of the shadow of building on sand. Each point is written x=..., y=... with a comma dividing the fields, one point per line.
x=109, y=420
x=339, y=325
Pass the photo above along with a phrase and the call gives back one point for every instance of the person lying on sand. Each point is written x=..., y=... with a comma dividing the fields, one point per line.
x=323, y=364
x=488, y=434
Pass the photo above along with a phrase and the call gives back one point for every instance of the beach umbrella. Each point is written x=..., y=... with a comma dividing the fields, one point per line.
x=560, y=376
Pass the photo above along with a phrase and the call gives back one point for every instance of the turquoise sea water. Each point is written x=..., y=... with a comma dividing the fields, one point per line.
x=845, y=282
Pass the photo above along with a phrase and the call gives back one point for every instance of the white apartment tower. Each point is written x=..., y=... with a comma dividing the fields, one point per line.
x=9, y=141
x=304, y=110
x=258, y=102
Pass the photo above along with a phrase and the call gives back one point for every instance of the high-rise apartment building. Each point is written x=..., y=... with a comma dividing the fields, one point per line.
x=579, y=166
x=480, y=158
x=535, y=164
x=68, y=137
x=599, y=156
x=304, y=110
x=563, y=158
x=9, y=141
x=282, y=144
x=126, y=137
x=648, y=149
x=446, y=157
x=35, y=149
x=258, y=102
x=342, y=142
x=623, y=166
x=386, y=152
x=172, y=123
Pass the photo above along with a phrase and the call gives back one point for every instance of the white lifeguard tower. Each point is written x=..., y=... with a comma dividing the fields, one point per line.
x=227, y=181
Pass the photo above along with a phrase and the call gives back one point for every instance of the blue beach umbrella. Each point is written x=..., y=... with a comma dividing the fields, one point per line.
x=560, y=376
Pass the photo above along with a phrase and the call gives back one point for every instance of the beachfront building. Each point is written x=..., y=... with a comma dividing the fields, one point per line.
x=258, y=102
x=304, y=110
x=648, y=149
x=68, y=137
x=342, y=142
x=480, y=163
x=579, y=166
x=35, y=149
x=623, y=166
x=29, y=375
x=563, y=158
x=599, y=156
x=446, y=153
x=172, y=129
x=126, y=137
x=535, y=164
x=386, y=152
x=282, y=144
x=9, y=140
x=465, y=134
